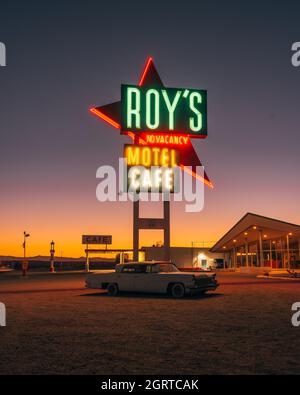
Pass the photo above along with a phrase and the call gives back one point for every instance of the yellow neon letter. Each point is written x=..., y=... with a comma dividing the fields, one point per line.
x=132, y=155
x=165, y=158
x=146, y=156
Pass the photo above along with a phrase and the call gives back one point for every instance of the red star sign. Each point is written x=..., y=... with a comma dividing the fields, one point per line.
x=111, y=113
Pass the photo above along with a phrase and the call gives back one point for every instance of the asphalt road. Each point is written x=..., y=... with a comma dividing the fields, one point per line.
x=56, y=326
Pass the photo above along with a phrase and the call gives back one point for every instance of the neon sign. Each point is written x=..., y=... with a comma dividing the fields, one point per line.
x=153, y=115
x=163, y=109
x=151, y=168
x=165, y=139
x=142, y=155
x=155, y=179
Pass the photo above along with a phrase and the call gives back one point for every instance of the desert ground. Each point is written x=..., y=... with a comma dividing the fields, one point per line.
x=56, y=326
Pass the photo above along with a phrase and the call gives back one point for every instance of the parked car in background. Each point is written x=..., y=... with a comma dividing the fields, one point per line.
x=152, y=277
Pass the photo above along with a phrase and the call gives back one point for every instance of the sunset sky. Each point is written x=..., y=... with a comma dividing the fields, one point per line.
x=63, y=59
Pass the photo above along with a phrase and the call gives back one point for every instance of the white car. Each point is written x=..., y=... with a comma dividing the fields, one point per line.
x=154, y=277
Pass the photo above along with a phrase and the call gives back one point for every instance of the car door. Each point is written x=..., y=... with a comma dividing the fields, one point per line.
x=125, y=279
x=142, y=279
x=149, y=280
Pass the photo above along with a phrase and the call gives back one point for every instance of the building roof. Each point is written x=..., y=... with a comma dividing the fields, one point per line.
x=249, y=227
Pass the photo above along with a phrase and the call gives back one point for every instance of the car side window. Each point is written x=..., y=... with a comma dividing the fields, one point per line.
x=134, y=269
x=128, y=269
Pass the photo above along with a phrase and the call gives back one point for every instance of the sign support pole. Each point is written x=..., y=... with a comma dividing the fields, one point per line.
x=151, y=223
x=136, y=213
x=87, y=262
x=167, y=256
x=136, y=210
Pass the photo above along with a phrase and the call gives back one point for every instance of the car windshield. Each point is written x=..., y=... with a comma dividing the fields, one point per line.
x=164, y=267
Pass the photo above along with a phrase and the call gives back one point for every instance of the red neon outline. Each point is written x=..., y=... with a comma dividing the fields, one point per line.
x=141, y=140
x=197, y=176
x=149, y=60
x=105, y=118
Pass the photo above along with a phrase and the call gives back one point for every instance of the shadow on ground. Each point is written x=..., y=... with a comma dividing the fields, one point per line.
x=136, y=295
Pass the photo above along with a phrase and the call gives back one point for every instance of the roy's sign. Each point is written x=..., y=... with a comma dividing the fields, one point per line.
x=154, y=115
x=163, y=110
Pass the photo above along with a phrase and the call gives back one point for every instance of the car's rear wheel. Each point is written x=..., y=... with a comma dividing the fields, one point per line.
x=112, y=289
x=177, y=290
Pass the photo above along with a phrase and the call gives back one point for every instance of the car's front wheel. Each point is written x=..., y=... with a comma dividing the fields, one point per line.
x=177, y=290
x=112, y=289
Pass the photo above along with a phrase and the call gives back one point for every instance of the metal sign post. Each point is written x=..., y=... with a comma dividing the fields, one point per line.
x=151, y=223
x=94, y=239
x=87, y=260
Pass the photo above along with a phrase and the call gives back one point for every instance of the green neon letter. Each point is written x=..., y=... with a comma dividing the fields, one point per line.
x=155, y=94
x=171, y=107
x=195, y=125
x=133, y=111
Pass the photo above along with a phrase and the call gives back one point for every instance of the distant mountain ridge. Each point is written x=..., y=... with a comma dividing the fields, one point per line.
x=47, y=258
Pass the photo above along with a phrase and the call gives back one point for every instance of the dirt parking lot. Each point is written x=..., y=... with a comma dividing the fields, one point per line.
x=55, y=326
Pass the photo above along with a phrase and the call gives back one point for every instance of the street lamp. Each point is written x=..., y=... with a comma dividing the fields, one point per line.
x=24, y=242
x=25, y=264
x=52, y=252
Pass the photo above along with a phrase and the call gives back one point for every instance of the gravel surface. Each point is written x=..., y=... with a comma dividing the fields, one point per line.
x=55, y=326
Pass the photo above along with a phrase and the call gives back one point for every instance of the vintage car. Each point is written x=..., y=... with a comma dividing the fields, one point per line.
x=152, y=277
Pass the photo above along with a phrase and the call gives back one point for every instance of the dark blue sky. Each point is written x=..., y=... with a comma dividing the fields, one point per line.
x=64, y=57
